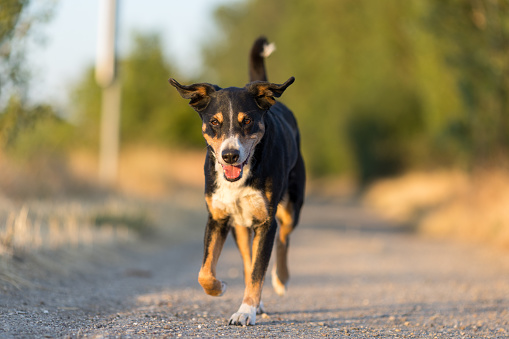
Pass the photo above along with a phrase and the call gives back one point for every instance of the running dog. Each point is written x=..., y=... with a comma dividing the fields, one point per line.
x=254, y=178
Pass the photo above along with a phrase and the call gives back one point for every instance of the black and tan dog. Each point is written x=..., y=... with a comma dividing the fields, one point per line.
x=254, y=178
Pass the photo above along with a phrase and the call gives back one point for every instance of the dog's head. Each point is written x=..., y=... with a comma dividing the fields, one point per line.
x=233, y=119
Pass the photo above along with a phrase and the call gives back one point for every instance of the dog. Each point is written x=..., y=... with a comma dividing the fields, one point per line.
x=254, y=178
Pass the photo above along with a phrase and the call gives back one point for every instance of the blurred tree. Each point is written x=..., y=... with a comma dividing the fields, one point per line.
x=151, y=112
x=353, y=61
x=381, y=86
x=474, y=37
x=12, y=29
x=18, y=18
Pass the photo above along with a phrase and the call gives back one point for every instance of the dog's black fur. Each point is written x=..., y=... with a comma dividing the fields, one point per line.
x=254, y=177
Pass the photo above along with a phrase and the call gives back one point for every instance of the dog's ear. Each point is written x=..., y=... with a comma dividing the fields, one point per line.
x=266, y=92
x=199, y=94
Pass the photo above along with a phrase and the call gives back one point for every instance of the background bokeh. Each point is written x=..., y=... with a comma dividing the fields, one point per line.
x=383, y=89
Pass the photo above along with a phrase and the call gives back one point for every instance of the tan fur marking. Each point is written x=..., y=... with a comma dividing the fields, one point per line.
x=256, y=244
x=248, y=299
x=284, y=214
x=243, y=238
x=204, y=127
x=210, y=284
x=215, y=143
x=266, y=92
x=201, y=90
x=218, y=117
x=280, y=274
x=268, y=191
x=253, y=291
x=216, y=213
x=207, y=275
x=241, y=116
x=262, y=89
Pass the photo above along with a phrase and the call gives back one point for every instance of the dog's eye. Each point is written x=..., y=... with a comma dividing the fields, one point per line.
x=214, y=122
x=247, y=121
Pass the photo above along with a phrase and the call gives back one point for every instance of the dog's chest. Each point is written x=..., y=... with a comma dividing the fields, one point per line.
x=244, y=205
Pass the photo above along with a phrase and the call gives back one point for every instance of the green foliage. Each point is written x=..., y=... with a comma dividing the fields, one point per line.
x=20, y=131
x=377, y=128
x=381, y=86
x=474, y=37
x=151, y=110
x=12, y=28
x=30, y=131
x=16, y=25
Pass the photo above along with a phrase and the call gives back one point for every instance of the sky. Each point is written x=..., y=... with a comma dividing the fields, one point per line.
x=70, y=38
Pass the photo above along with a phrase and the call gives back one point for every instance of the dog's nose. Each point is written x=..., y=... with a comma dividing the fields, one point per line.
x=230, y=156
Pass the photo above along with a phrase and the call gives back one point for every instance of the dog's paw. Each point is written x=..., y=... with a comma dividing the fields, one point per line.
x=211, y=285
x=278, y=286
x=261, y=308
x=223, y=288
x=246, y=315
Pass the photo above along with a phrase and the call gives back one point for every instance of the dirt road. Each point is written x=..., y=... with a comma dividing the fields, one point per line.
x=352, y=275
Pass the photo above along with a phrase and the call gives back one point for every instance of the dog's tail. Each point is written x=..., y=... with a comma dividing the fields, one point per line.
x=260, y=50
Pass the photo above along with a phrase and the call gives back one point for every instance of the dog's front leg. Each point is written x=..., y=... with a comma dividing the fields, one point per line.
x=262, y=248
x=215, y=236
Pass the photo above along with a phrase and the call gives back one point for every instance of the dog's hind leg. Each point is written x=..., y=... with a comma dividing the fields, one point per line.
x=280, y=274
x=215, y=236
x=288, y=213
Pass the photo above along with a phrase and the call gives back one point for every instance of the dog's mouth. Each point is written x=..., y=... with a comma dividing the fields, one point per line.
x=232, y=172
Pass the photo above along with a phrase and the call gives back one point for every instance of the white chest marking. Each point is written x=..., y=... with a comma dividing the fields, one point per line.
x=242, y=204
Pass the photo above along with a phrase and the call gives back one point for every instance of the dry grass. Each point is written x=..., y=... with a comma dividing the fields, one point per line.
x=62, y=225
x=31, y=233
x=401, y=198
x=54, y=204
x=147, y=171
x=28, y=223
x=448, y=204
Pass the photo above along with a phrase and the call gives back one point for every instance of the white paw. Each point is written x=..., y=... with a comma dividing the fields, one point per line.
x=260, y=309
x=278, y=286
x=246, y=315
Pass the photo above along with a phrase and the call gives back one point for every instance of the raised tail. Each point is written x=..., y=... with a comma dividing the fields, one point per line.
x=260, y=50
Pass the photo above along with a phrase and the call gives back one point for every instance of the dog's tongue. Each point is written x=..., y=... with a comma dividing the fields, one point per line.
x=232, y=172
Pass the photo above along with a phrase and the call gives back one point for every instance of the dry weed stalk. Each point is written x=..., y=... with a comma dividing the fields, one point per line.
x=26, y=233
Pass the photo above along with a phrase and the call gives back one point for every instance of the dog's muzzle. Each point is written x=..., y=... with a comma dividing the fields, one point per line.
x=232, y=171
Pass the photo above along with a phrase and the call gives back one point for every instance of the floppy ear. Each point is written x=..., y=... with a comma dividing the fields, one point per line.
x=266, y=92
x=198, y=93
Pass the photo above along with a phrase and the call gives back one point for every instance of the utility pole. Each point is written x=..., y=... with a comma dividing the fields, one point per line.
x=106, y=77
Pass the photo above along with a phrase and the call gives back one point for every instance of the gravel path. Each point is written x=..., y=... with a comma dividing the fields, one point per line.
x=352, y=276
